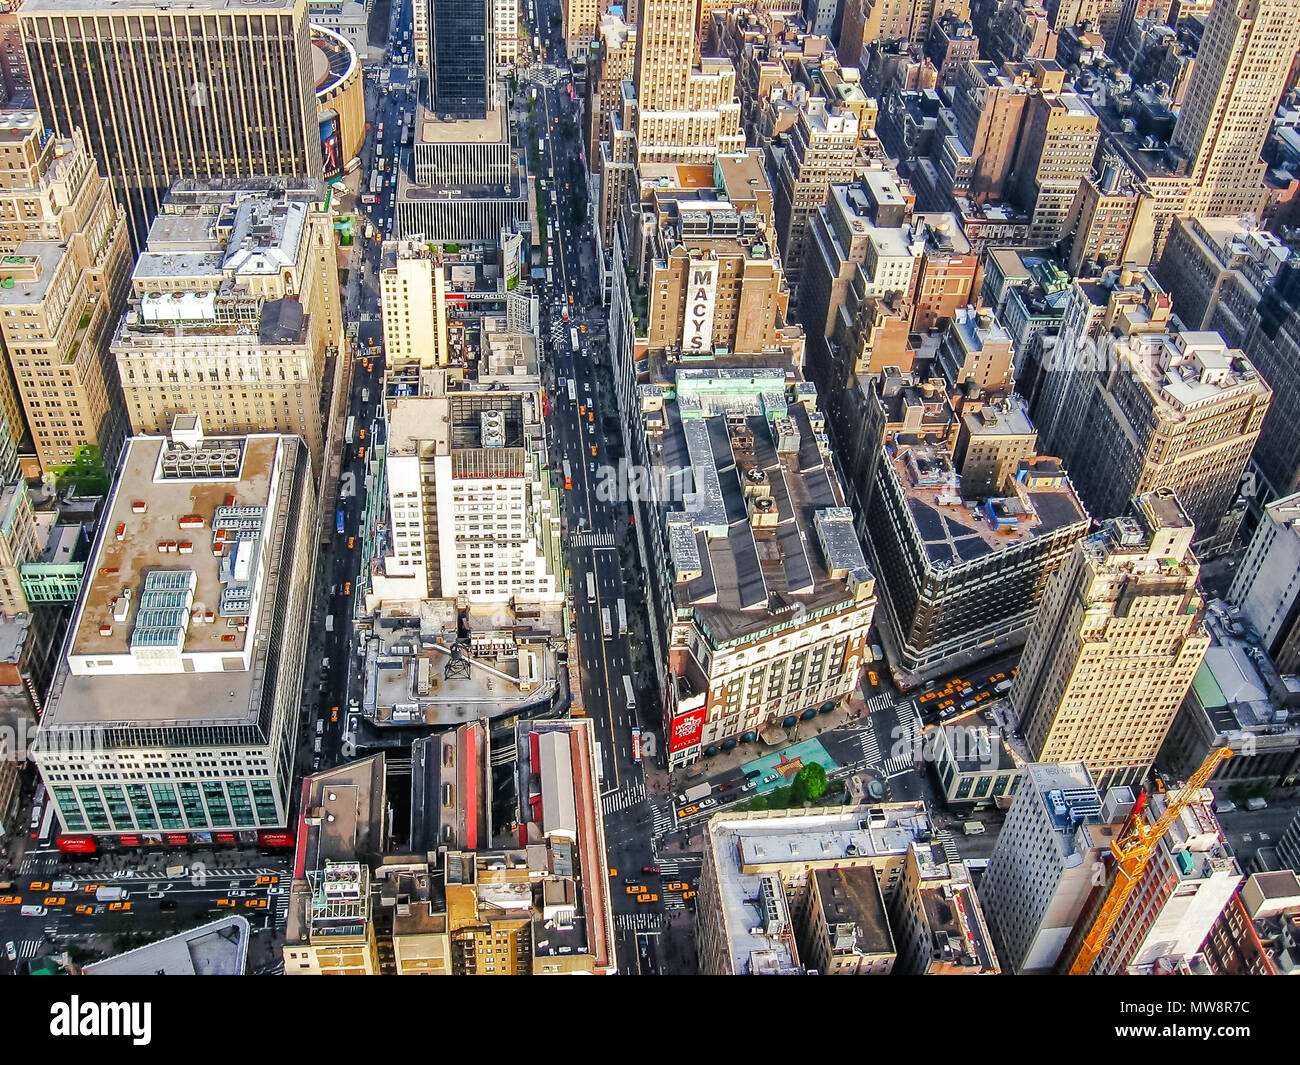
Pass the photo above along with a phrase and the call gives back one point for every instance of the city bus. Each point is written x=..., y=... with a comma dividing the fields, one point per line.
x=573, y=337
x=606, y=625
x=573, y=392
x=622, y=616
x=568, y=477
x=591, y=587
x=349, y=429
x=338, y=523
x=627, y=690
x=636, y=746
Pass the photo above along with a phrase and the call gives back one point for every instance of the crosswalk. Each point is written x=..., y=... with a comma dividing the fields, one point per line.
x=877, y=702
x=614, y=801
x=680, y=866
x=870, y=746
x=661, y=820
x=29, y=948
x=600, y=539
x=895, y=766
x=639, y=922
x=944, y=839
x=282, y=908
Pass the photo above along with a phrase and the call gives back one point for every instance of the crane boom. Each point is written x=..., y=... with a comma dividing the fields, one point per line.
x=1132, y=851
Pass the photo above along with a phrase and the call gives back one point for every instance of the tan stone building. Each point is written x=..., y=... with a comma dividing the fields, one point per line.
x=234, y=314
x=1119, y=639
x=63, y=282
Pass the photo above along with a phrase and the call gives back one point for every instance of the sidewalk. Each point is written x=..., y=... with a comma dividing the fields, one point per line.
x=660, y=782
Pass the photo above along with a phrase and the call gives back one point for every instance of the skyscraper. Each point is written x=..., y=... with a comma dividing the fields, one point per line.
x=187, y=645
x=687, y=109
x=1241, y=72
x=65, y=271
x=216, y=90
x=461, y=57
x=1044, y=866
x=1119, y=639
x=234, y=314
x=1130, y=408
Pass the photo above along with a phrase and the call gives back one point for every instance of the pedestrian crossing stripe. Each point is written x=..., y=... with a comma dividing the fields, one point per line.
x=591, y=540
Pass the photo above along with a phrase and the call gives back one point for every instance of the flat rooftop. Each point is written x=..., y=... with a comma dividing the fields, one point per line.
x=954, y=530
x=407, y=680
x=166, y=623
x=745, y=848
x=490, y=129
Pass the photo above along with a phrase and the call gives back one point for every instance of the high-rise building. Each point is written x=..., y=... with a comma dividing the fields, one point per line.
x=714, y=280
x=1242, y=67
x=819, y=151
x=474, y=505
x=1119, y=638
x=1273, y=346
x=66, y=260
x=1131, y=409
x=1267, y=583
x=234, y=314
x=786, y=633
x=505, y=31
x=1216, y=271
x=1057, y=143
x=962, y=573
x=1191, y=878
x=1258, y=932
x=686, y=106
x=937, y=920
x=174, y=707
x=617, y=63
x=1102, y=218
x=1047, y=861
x=580, y=24
x=462, y=63
x=468, y=181
x=219, y=90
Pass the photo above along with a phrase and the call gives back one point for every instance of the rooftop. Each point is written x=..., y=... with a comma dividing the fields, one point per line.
x=219, y=948
x=955, y=530
x=185, y=565
x=759, y=521
x=750, y=853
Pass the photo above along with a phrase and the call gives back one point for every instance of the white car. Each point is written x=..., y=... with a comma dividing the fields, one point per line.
x=770, y=778
x=11, y=952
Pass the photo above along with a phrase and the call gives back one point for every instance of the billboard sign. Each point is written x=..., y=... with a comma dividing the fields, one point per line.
x=701, y=297
x=686, y=730
x=331, y=145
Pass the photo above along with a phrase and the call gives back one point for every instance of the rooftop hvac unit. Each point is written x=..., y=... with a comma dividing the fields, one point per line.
x=493, y=424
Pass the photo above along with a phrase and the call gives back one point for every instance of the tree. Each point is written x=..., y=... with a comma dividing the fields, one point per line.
x=85, y=473
x=809, y=784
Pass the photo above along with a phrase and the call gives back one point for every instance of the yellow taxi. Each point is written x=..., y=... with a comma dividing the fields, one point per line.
x=647, y=896
x=635, y=889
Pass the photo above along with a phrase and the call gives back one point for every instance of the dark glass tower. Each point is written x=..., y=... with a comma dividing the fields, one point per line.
x=460, y=57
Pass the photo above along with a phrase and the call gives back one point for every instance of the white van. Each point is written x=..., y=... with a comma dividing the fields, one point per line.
x=973, y=828
x=1256, y=804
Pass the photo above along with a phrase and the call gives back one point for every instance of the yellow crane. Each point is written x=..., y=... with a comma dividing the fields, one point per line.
x=1132, y=851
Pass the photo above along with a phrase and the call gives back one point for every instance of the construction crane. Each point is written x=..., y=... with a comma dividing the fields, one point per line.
x=1132, y=850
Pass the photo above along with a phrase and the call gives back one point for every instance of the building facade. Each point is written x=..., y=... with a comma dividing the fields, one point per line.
x=174, y=708
x=144, y=85
x=1119, y=639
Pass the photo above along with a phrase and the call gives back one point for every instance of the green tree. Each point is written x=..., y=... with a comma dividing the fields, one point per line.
x=85, y=473
x=809, y=784
x=758, y=802
x=778, y=798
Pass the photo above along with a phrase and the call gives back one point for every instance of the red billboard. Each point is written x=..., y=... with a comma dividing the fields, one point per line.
x=176, y=839
x=224, y=837
x=686, y=730
x=275, y=839
x=129, y=841
x=77, y=844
